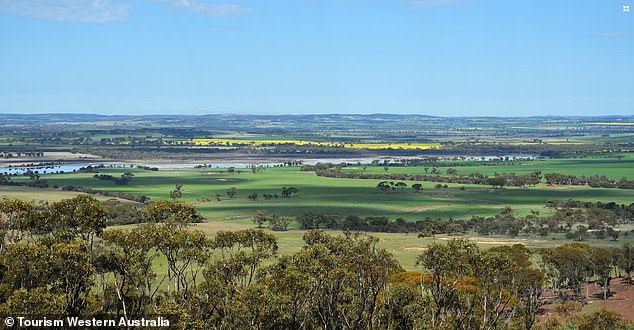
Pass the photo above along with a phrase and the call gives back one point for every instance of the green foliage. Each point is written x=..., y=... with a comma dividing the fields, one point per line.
x=123, y=180
x=276, y=222
x=466, y=288
x=625, y=260
x=34, y=303
x=81, y=215
x=568, y=265
x=177, y=193
x=171, y=213
x=16, y=217
x=237, y=279
x=603, y=319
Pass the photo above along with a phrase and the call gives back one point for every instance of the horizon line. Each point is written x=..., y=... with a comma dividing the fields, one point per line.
x=313, y=114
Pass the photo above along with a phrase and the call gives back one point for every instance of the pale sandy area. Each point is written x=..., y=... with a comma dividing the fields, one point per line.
x=497, y=241
x=415, y=249
x=52, y=156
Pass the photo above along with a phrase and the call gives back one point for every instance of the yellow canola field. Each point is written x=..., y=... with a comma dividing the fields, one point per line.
x=230, y=142
x=394, y=145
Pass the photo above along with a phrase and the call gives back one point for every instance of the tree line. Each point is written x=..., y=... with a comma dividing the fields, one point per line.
x=36, y=182
x=594, y=181
x=498, y=180
x=123, y=180
x=59, y=260
x=314, y=220
x=577, y=224
x=601, y=220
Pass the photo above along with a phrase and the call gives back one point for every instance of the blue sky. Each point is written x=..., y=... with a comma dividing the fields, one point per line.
x=434, y=57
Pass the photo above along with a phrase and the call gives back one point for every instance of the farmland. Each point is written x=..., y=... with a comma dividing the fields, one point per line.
x=258, y=142
x=340, y=165
x=343, y=175
x=352, y=196
x=614, y=168
x=367, y=144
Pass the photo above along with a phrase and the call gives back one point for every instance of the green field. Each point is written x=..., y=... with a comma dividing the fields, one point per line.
x=352, y=197
x=613, y=168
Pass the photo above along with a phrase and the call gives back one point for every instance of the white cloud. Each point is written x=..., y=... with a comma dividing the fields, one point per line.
x=208, y=9
x=106, y=11
x=434, y=3
x=86, y=11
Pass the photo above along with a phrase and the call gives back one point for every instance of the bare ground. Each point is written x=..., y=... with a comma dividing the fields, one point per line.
x=50, y=156
x=621, y=301
x=485, y=240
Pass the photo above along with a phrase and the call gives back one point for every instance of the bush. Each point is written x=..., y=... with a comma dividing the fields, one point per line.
x=603, y=319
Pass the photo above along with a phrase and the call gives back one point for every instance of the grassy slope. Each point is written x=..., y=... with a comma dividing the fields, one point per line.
x=38, y=195
x=405, y=247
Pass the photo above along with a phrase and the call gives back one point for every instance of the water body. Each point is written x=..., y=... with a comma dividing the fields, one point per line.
x=59, y=169
x=55, y=169
x=41, y=169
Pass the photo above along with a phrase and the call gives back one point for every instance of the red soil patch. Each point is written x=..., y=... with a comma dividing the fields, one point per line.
x=621, y=301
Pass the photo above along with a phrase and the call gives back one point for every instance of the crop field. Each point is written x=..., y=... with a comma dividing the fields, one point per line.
x=271, y=142
x=361, y=197
x=355, y=196
x=613, y=168
x=424, y=164
x=341, y=196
